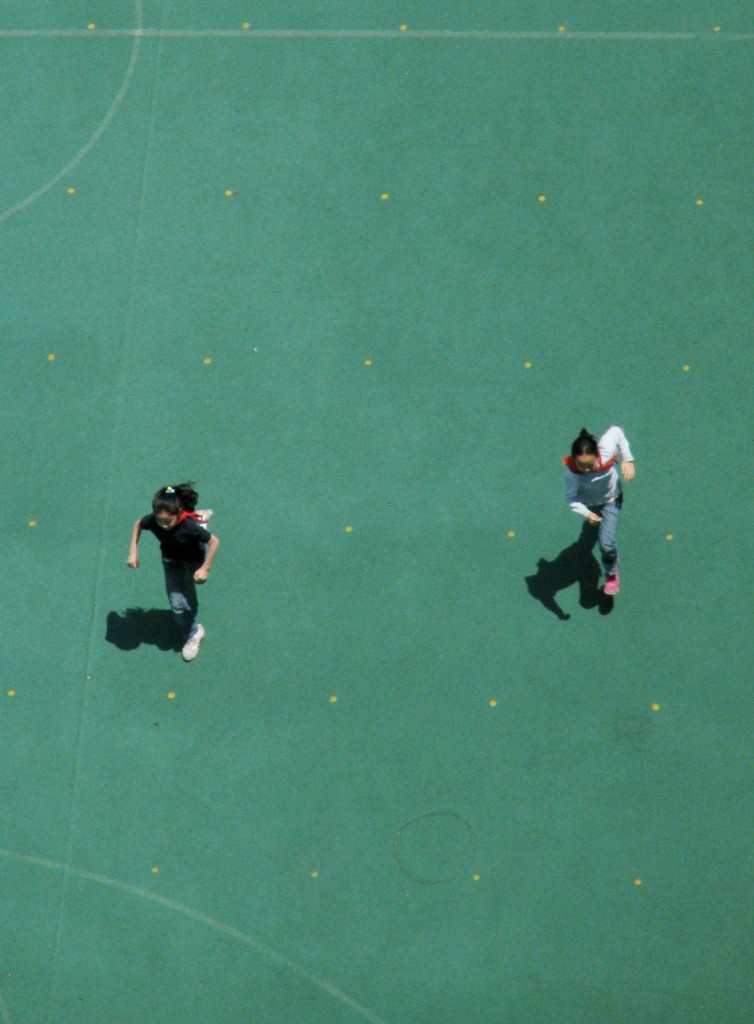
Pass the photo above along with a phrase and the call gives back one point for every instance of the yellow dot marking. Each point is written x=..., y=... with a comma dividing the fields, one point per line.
x=493, y=703
x=511, y=533
x=246, y=24
x=542, y=199
x=51, y=357
x=685, y=367
x=668, y=536
x=208, y=361
x=11, y=693
x=171, y=695
x=367, y=362
x=229, y=192
x=155, y=870
x=476, y=877
x=315, y=874
x=91, y=26
x=637, y=881
x=716, y=28
x=561, y=28
x=655, y=707
x=32, y=522
x=403, y=28
x=71, y=190
x=527, y=365
x=349, y=529
x=333, y=699
x=385, y=196
x=700, y=202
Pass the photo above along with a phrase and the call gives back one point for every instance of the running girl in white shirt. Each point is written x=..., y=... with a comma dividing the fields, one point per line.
x=593, y=490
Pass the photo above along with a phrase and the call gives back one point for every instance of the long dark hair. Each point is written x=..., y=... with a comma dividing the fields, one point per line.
x=585, y=444
x=176, y=498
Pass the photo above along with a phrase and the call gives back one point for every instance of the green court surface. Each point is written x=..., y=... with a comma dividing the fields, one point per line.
x=363, y=270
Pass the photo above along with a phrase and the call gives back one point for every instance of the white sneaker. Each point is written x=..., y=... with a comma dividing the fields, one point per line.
x=191, y=647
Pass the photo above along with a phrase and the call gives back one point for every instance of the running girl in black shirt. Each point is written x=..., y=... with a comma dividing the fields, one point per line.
x=188, y=549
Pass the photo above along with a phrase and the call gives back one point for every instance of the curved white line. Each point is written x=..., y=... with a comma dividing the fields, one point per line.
x=210, y=922
x=101, y=127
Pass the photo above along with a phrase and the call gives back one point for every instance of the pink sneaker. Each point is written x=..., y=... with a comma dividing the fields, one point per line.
x=612, y=584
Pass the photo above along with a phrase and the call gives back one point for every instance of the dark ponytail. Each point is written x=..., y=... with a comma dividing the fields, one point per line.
x=176, y=498
x=585, y=444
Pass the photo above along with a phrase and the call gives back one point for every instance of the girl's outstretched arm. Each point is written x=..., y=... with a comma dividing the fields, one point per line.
x=202, y=572
x=614, y=442
x=133, y=553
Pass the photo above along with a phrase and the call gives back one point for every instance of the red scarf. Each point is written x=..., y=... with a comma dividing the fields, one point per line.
x=599, y=465
x=186, y=515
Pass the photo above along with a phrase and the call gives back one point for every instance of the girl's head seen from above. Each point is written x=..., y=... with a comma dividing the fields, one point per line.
x=171, y=500
x=584, y=451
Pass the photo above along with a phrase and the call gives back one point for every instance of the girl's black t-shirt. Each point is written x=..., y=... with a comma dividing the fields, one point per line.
x=183, y=542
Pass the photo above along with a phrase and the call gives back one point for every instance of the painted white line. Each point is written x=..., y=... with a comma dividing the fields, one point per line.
x=313, y=33
x=99, y=130
x=5, y=1016
x=210, y=922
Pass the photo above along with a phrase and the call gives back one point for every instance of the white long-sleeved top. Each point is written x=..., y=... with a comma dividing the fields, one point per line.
x=602, y=484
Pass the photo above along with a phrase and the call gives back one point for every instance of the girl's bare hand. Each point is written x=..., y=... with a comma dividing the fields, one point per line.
x=627, y=469
x=200, y=576
x=133, y=562
x=594, y=518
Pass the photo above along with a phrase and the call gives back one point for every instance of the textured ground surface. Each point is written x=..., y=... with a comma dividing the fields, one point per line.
x=365, y=289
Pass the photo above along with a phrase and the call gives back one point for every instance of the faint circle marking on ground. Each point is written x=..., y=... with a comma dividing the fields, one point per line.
x=435, y=848
x=99, y=130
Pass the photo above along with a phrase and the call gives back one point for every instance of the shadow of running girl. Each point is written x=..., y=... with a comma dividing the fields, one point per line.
x=575, y=564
